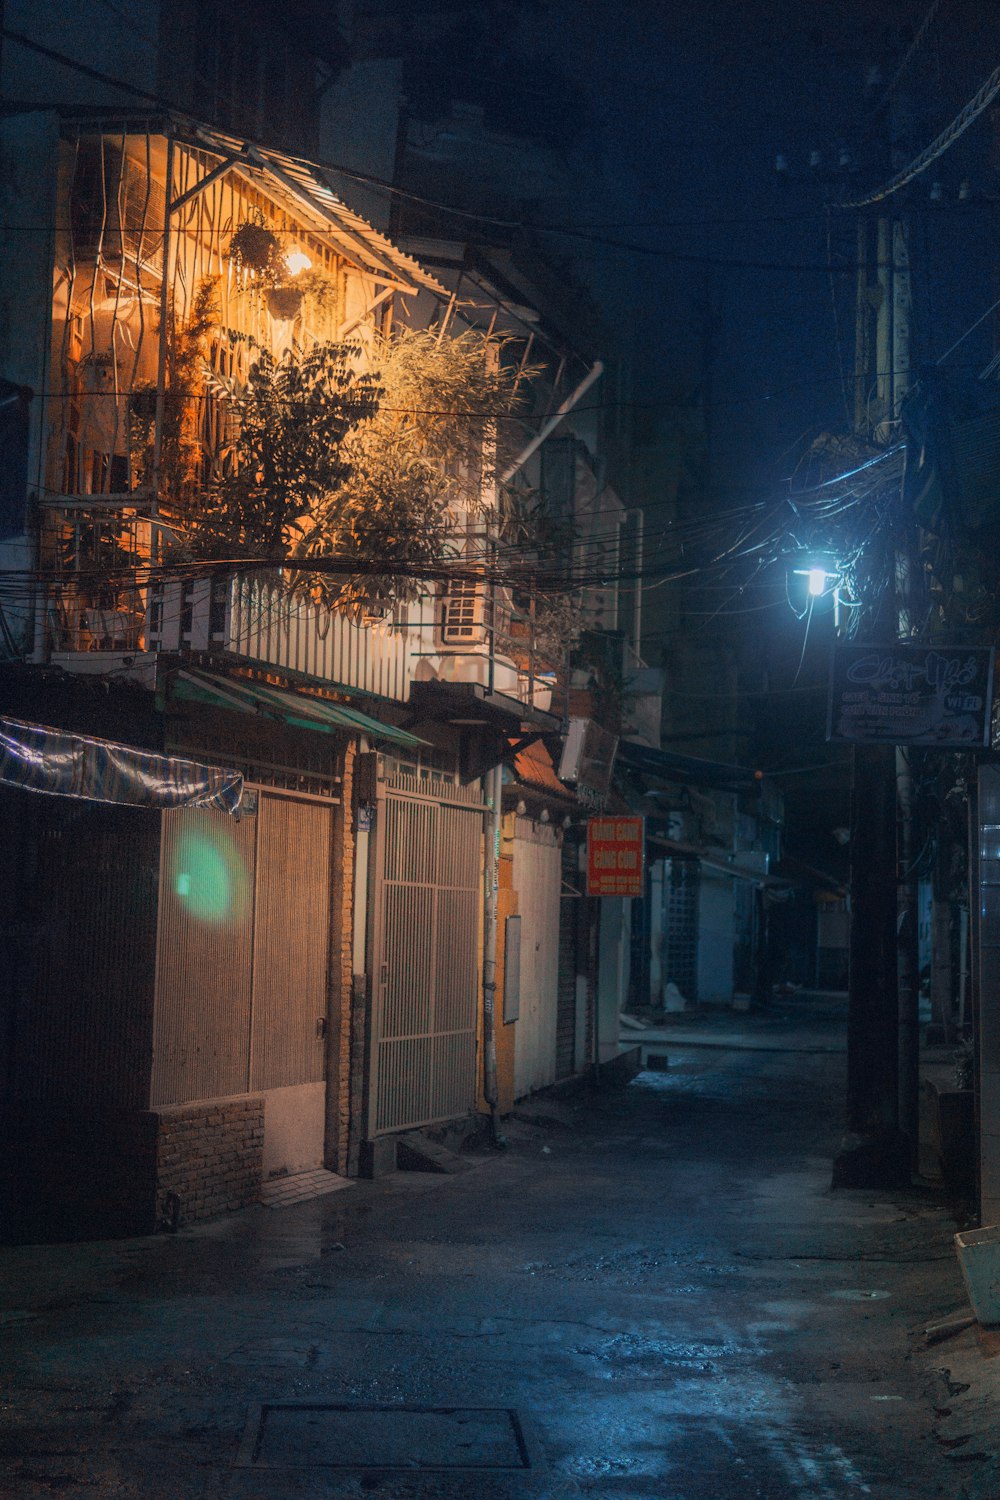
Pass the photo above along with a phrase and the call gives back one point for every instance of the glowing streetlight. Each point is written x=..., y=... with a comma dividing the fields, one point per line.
x=822, y=578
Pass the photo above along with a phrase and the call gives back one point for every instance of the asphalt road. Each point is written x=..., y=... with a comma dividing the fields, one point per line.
x=651, y=1293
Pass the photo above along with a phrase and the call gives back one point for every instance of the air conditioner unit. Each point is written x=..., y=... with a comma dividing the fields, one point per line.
x=463, y=620
x=588, y=756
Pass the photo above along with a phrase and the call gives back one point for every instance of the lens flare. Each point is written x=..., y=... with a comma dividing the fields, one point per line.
x=209, y=877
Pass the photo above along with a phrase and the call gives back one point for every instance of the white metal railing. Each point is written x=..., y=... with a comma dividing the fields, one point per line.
x=103, y=598
x=268, y=624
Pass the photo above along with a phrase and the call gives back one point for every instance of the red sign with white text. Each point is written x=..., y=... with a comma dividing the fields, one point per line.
x=615, y=849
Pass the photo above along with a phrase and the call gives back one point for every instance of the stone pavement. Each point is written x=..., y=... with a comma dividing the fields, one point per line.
x=652, y=1292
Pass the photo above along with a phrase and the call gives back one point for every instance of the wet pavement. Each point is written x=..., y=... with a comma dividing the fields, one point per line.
x=651, y=1293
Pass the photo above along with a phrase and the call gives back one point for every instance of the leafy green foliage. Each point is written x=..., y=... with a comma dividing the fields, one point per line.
x=376, y=470
x=288, y=457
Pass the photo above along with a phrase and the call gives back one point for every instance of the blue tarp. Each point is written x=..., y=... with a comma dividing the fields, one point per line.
x=39, y=759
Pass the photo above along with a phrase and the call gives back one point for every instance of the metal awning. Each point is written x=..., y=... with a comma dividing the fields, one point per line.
x=299, y=710
x=472, y=704
x=37, y=758
x=301, y=187
x=687, y=769
x=716, y=860
x=304, y=188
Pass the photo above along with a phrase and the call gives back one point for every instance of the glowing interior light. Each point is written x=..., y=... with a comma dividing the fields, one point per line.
x=817, y=581
x=297, y=261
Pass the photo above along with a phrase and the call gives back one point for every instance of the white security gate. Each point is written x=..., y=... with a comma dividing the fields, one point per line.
x=538, y=882
x=424, y=963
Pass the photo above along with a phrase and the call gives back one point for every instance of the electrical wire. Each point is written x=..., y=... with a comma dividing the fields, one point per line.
x=971, y=329
x=966, y=116
x=911, y=52
x=371, y=181
x=366, y=179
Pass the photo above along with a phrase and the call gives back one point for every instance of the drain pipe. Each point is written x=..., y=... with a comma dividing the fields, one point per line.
x=594, y=373
x=494, y=795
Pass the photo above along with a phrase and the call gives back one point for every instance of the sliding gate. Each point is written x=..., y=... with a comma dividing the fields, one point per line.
x=425, y=954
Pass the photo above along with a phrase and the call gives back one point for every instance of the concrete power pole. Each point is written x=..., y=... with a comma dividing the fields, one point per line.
x=883, y=1039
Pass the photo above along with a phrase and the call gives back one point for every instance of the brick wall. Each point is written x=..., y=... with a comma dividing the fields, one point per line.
x=210, y=1156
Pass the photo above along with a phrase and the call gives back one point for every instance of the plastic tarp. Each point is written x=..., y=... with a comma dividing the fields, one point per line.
x=40, y=759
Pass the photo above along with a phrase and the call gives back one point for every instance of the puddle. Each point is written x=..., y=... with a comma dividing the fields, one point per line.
x=858, y=1294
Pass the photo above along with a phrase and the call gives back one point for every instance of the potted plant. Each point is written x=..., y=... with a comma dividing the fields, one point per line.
x=285, y=302
x=255, y=251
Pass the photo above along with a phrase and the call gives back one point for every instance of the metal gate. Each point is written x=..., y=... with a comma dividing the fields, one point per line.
x=424, y=960
x=242, y=950
x=680, y=957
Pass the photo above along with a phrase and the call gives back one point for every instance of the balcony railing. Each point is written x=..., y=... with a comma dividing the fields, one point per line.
x=97, y=555
x=103, y=599
x=108, y=594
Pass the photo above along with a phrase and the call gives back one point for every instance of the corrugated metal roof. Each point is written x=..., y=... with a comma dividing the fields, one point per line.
x=306, y=189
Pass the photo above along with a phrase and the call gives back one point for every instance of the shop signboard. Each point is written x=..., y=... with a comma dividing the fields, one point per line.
x=615, y=856
x=911, y=693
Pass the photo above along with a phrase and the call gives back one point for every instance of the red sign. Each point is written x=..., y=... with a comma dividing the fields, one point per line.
x=615, y=849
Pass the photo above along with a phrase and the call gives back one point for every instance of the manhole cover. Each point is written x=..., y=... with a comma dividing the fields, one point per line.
x=289, y=1435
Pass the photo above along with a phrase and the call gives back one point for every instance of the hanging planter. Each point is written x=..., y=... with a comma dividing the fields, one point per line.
x=255, y=251
x=284, y=302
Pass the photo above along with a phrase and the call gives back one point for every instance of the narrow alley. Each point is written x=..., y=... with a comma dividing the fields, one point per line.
x=651, y=1292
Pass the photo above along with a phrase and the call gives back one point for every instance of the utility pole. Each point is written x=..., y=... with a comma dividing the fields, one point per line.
x=880, y=1147
x=907, y=895
x=874, y=1152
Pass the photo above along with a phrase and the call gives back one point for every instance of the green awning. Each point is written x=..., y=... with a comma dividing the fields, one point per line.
x=296, y=709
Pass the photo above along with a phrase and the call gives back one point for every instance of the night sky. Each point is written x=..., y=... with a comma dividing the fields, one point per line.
x=688, y=106
x=691, y=103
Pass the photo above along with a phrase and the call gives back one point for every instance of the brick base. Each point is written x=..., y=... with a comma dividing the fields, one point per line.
x=75, y=1174
x=209, y=1159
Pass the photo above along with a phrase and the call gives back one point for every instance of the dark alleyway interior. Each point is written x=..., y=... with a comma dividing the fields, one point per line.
x=652, y=1292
